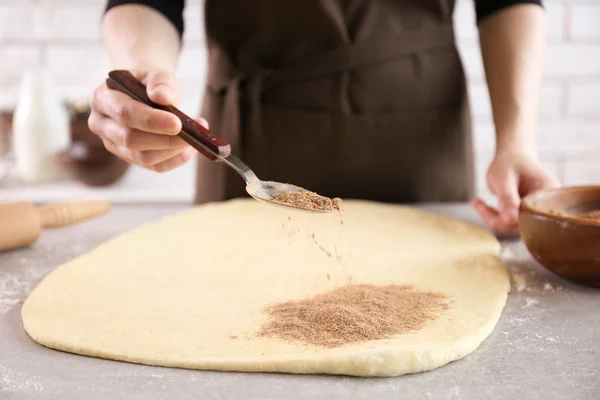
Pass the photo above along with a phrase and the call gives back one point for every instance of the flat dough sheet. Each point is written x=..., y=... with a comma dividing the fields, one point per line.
x=190, y=291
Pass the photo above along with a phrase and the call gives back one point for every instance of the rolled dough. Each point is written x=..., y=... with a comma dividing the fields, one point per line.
x=189, y=291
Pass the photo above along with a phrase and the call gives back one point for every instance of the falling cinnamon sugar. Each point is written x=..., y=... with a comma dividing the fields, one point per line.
x=309, y=201
x=319, y=245
x=352, y=314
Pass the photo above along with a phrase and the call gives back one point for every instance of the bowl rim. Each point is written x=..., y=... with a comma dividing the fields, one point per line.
x=526, y=204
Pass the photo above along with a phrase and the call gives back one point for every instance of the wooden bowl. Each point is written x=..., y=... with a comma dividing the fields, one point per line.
x=92, y=165
x=557, y=234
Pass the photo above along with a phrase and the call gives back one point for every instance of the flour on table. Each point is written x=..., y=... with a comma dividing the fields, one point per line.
x=516, y=320
x=507, y=253
x=520, y=282
x=15, y=287
x=530, y=302
x=7, y=304
x=14, y=381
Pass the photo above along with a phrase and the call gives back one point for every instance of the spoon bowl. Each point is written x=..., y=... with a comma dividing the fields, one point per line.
x=265, y=192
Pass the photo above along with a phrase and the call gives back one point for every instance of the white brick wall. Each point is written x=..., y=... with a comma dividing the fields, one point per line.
x=586, y=17
x=63, y=36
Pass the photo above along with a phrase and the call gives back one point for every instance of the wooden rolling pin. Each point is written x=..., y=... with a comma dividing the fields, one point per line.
x=21, y=222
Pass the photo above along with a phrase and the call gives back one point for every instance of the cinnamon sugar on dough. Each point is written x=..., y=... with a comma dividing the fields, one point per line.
x=354, y=313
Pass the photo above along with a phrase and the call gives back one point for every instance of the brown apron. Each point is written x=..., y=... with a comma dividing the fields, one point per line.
x=349, y=98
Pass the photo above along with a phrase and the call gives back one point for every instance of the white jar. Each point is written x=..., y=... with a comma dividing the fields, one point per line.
x=41, y=129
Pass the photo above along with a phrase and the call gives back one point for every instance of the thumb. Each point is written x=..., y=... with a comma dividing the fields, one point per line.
x=506, y=187
x=202, y=122
x=162, y=88
x=542, y=180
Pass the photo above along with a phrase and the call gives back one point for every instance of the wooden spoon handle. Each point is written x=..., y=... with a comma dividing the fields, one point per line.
x=62, y=214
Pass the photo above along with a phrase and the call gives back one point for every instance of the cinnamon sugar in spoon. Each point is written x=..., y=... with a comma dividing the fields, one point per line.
x=217, y=149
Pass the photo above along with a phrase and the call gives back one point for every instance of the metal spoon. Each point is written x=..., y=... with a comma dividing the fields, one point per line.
x=206, y=142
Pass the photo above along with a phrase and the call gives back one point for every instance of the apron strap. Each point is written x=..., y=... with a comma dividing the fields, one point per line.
x=365, y=53
x=343, y=58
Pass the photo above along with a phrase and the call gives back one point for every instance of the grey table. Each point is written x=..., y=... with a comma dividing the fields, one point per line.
x=545, y=346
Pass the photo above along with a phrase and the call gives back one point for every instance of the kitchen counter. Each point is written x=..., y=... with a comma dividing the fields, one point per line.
x=545, y=346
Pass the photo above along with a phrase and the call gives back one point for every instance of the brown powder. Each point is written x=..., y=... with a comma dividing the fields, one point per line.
x=595, y=214
x=591, y=215
x=353, y=313
x=308, y=200
x=557, y=212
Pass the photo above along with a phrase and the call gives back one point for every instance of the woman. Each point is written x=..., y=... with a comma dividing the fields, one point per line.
x=349, y=98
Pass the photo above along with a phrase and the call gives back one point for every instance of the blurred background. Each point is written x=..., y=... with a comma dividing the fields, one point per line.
x=63, y=38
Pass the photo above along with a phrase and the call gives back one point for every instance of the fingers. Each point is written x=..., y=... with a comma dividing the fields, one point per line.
x=539, y=180
x=162, y=88
x=505, y=185
x=133, y=139
x=202, y=122
x=138, y=133
x=488, y=214
x=143, y=158
x=176, y=161
x=155, y=160
x=133, y=114
x=494, y=219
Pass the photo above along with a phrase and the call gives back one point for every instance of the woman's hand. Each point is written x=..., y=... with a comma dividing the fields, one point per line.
x=137, y=132
x=513, y=42
x=511, y=176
